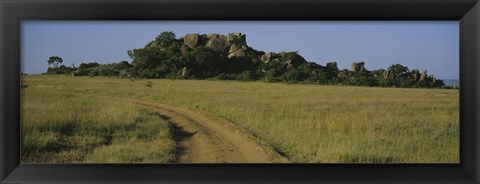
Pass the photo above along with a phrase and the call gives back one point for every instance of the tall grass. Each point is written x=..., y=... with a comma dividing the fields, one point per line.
x=59, y=126
x=309, y=123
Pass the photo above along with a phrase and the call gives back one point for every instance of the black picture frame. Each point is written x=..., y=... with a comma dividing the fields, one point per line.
x=12, y=12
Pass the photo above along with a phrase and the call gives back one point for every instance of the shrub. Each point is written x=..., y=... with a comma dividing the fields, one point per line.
x=224, y=76
x=245, y=76
x=385, y=82
x=122, y=65
x=88, y=65
x=93, y=73
x=405, y=83
x=108, y=72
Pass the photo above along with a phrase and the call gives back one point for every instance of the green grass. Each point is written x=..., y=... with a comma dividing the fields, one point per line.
x=306, y=123
x=59, y=126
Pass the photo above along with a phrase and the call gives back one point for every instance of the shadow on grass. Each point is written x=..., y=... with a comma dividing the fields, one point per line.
x=179, y=135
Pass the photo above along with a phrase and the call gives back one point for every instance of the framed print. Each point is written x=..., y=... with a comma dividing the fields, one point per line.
x=239, y=91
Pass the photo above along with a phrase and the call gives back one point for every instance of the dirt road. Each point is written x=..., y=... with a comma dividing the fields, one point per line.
x=204, y=140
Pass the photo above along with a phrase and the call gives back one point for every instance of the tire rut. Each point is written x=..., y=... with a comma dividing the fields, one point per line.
x=203, y=140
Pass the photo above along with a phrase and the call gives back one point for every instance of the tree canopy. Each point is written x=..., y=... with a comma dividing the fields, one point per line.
x=55, y=60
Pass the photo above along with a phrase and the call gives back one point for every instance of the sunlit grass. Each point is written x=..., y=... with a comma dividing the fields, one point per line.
x=59, y=125
x=306, y=123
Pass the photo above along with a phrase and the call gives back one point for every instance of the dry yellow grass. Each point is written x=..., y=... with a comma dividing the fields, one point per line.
x=306, y=123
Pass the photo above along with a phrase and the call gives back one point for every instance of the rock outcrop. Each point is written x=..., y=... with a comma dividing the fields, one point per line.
x=388, y=75
x=184, y=71
x=423, y=76
x=237, y=38
x=191, y=40
x=217, y=42
x=358, y=67
x=432, y=78
x=288, y=59
x=267, y=57
x=237, y=51
x=232, y=45
x=184, y=49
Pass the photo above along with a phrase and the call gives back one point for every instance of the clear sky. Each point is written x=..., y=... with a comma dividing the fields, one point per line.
x=431, y=45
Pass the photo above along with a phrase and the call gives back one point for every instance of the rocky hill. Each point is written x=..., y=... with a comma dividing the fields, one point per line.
x=228, y=57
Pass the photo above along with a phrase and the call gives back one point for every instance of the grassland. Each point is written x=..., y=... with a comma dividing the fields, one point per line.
x=59, y=126
x=81, y=119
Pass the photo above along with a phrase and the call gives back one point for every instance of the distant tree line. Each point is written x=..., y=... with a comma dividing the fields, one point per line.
x=218, y=57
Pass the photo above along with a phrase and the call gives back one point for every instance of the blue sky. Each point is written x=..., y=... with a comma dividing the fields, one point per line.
x=431, y=45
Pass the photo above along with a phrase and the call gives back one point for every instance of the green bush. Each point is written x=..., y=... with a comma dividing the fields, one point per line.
x=88, y=65
x=245, y=76
x=62, y=69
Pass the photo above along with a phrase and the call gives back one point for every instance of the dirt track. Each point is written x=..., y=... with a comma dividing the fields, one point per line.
x=203, y=140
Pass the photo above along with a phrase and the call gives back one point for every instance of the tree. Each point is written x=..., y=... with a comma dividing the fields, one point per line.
x=294, y=75
x=398, y=70
x=166, y=38
x=206, y=62
x=122, y=65
x=131, y=54
x=55, y=60
x=332, y=70
x=385, y=82
x=137, y=54
x=245, y=76
x=88, y=65
x=408, y=82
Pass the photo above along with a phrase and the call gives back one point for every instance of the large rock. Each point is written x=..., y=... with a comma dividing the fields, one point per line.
x=184, y=71
x=217, y=42
x=289, y=64
x=388, y=74
x=184, y=49
x=432, y=78
x=237, y=51
x=212, y=35
x=191, y=40
x=424, y=75
x=234, y=48
x=391, y=75
x=267, y=57
x=292, y=58
x=237, y=38
x=358, y=67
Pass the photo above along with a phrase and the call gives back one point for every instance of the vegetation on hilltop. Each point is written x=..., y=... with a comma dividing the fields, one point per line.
x=220, y=57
